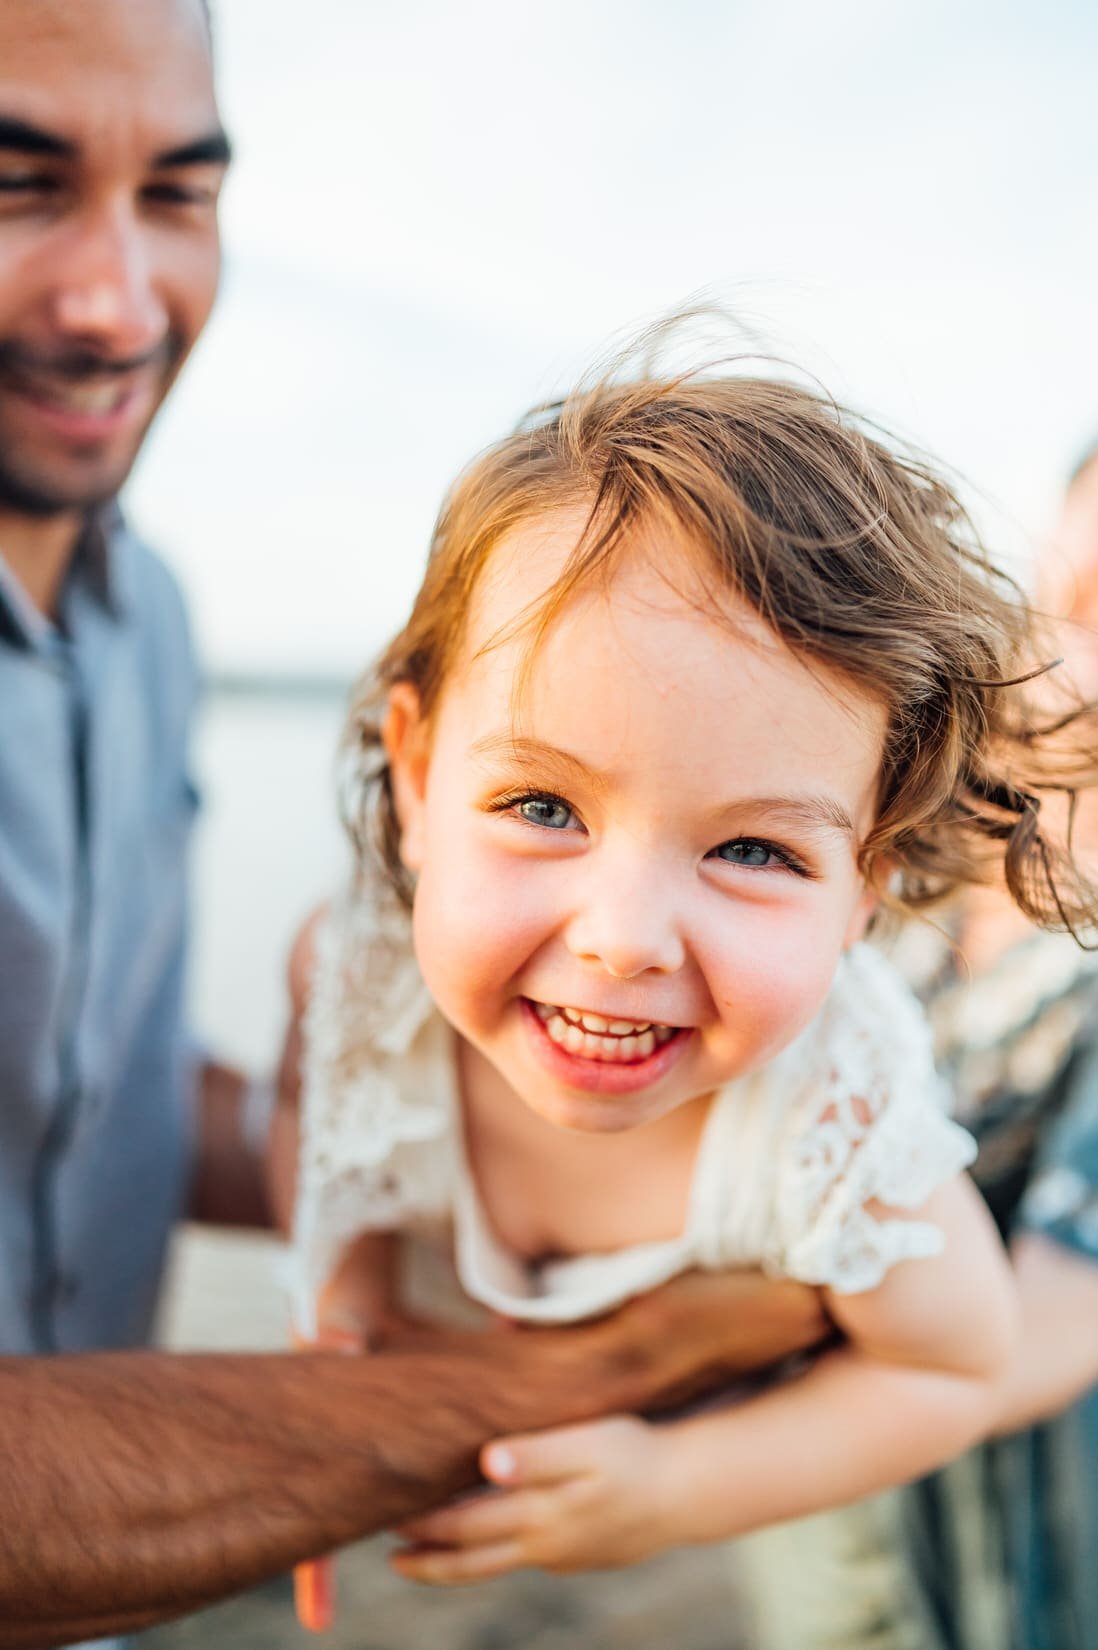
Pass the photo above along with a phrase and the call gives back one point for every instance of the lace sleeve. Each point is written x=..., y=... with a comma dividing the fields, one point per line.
x=376, y=1147
x=869, y=1125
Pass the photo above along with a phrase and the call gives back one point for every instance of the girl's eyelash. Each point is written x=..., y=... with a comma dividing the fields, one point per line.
x=501, y=804
x=787, y=858
x=504, y=804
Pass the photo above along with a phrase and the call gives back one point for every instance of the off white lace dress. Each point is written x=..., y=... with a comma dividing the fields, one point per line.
x=790, y=1155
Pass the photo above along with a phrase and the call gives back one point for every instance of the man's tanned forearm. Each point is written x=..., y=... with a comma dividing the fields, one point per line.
x=143, y=1485
x=146, y=1485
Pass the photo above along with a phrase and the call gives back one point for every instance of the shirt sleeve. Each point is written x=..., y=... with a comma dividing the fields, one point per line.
x=1062, y=1198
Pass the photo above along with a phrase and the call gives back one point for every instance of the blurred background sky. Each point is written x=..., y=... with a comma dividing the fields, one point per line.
x=441, y=210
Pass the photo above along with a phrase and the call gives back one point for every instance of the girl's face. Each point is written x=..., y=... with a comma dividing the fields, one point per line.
x=636, y=877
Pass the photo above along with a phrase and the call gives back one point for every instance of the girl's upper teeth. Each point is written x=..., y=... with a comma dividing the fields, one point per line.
x=597, y=1023
x=615, y=1028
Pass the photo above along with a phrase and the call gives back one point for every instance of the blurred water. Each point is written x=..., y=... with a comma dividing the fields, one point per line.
x=269, y=848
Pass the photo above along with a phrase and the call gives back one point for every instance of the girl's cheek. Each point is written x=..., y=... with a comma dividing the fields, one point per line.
x=474, y=930
x=768, y=978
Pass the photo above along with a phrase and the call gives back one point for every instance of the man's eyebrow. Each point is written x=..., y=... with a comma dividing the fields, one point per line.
x=214, y=149
x=20, y=137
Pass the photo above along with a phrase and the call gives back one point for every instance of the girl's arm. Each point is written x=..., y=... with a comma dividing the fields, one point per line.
x=918, y=1381
x=915, y=1384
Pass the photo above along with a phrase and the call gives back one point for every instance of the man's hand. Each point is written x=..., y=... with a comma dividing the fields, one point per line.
x=718, y=1327
x=593, y=1496
x=580, y=1498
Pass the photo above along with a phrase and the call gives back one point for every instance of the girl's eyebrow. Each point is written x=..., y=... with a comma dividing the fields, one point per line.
x=525, y=751
x=815, y=812
x=820, y=812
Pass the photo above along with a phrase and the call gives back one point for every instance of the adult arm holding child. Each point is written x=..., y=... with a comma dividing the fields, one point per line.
x=185, y=1478
x=914, y=1384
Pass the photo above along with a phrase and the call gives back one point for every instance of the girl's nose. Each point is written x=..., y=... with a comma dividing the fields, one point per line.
x=628, y=929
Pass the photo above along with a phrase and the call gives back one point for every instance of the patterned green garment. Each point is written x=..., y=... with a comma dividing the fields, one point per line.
x=1000, y=1550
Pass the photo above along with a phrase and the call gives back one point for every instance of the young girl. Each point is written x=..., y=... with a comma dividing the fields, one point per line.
x=699, y=674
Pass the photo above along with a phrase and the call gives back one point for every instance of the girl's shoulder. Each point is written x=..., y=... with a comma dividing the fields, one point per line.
x=865, y=1134
x=378, y=1104
x=873, y=1029
x=869, y=1044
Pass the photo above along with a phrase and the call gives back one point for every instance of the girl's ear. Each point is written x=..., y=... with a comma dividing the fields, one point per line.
x=864, y=907
x=404, y=735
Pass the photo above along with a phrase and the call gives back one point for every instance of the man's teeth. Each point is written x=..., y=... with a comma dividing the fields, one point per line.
x=87, y=398
x=597, y=1038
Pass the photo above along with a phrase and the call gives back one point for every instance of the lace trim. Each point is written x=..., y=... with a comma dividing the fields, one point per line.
x=377, y=1103
x=873, y=1129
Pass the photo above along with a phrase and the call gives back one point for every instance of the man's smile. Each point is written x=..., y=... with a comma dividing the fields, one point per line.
x=83, y=401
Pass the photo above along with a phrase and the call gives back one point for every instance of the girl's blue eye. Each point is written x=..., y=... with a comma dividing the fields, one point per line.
x=549, y=811
x=743, y=851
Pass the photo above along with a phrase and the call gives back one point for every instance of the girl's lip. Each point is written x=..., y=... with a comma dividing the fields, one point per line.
x=601, y=1076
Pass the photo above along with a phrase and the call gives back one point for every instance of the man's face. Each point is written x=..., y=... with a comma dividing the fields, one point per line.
x=111, y=160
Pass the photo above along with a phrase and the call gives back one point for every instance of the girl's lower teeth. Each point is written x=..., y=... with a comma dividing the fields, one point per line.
x=615, y=1050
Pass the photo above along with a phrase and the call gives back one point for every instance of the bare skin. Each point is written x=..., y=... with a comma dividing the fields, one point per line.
x=144, y=1485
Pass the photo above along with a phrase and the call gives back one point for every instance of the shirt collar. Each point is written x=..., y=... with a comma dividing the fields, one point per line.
x=100, y=566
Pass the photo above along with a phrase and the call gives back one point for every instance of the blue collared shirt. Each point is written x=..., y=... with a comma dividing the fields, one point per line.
x=96, y=809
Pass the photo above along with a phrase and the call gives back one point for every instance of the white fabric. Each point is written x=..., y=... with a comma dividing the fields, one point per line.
x=790, y=1161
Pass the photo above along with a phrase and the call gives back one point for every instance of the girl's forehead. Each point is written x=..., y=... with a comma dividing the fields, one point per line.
x=525, y=565
x=657, y=691
x=651, y=564
x=654, y=617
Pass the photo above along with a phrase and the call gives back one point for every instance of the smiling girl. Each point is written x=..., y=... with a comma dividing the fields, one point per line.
x=699, y=674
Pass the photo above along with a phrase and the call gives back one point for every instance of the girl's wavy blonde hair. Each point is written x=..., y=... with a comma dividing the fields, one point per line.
x=853, y=550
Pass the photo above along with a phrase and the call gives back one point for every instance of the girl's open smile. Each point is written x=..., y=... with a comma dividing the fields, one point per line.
x=596, y=1037
x=602, y=1062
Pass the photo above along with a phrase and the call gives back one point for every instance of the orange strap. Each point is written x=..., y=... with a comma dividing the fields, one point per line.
x=314, y=1581
x=314, y=1594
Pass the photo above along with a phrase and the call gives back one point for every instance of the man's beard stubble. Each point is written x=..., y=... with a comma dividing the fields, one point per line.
x=38, y=489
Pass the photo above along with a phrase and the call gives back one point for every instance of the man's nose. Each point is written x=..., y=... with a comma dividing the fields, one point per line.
x=106, y=294
x=629, y=926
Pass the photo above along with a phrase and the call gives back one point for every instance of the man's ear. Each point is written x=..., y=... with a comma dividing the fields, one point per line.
x=404, y=735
